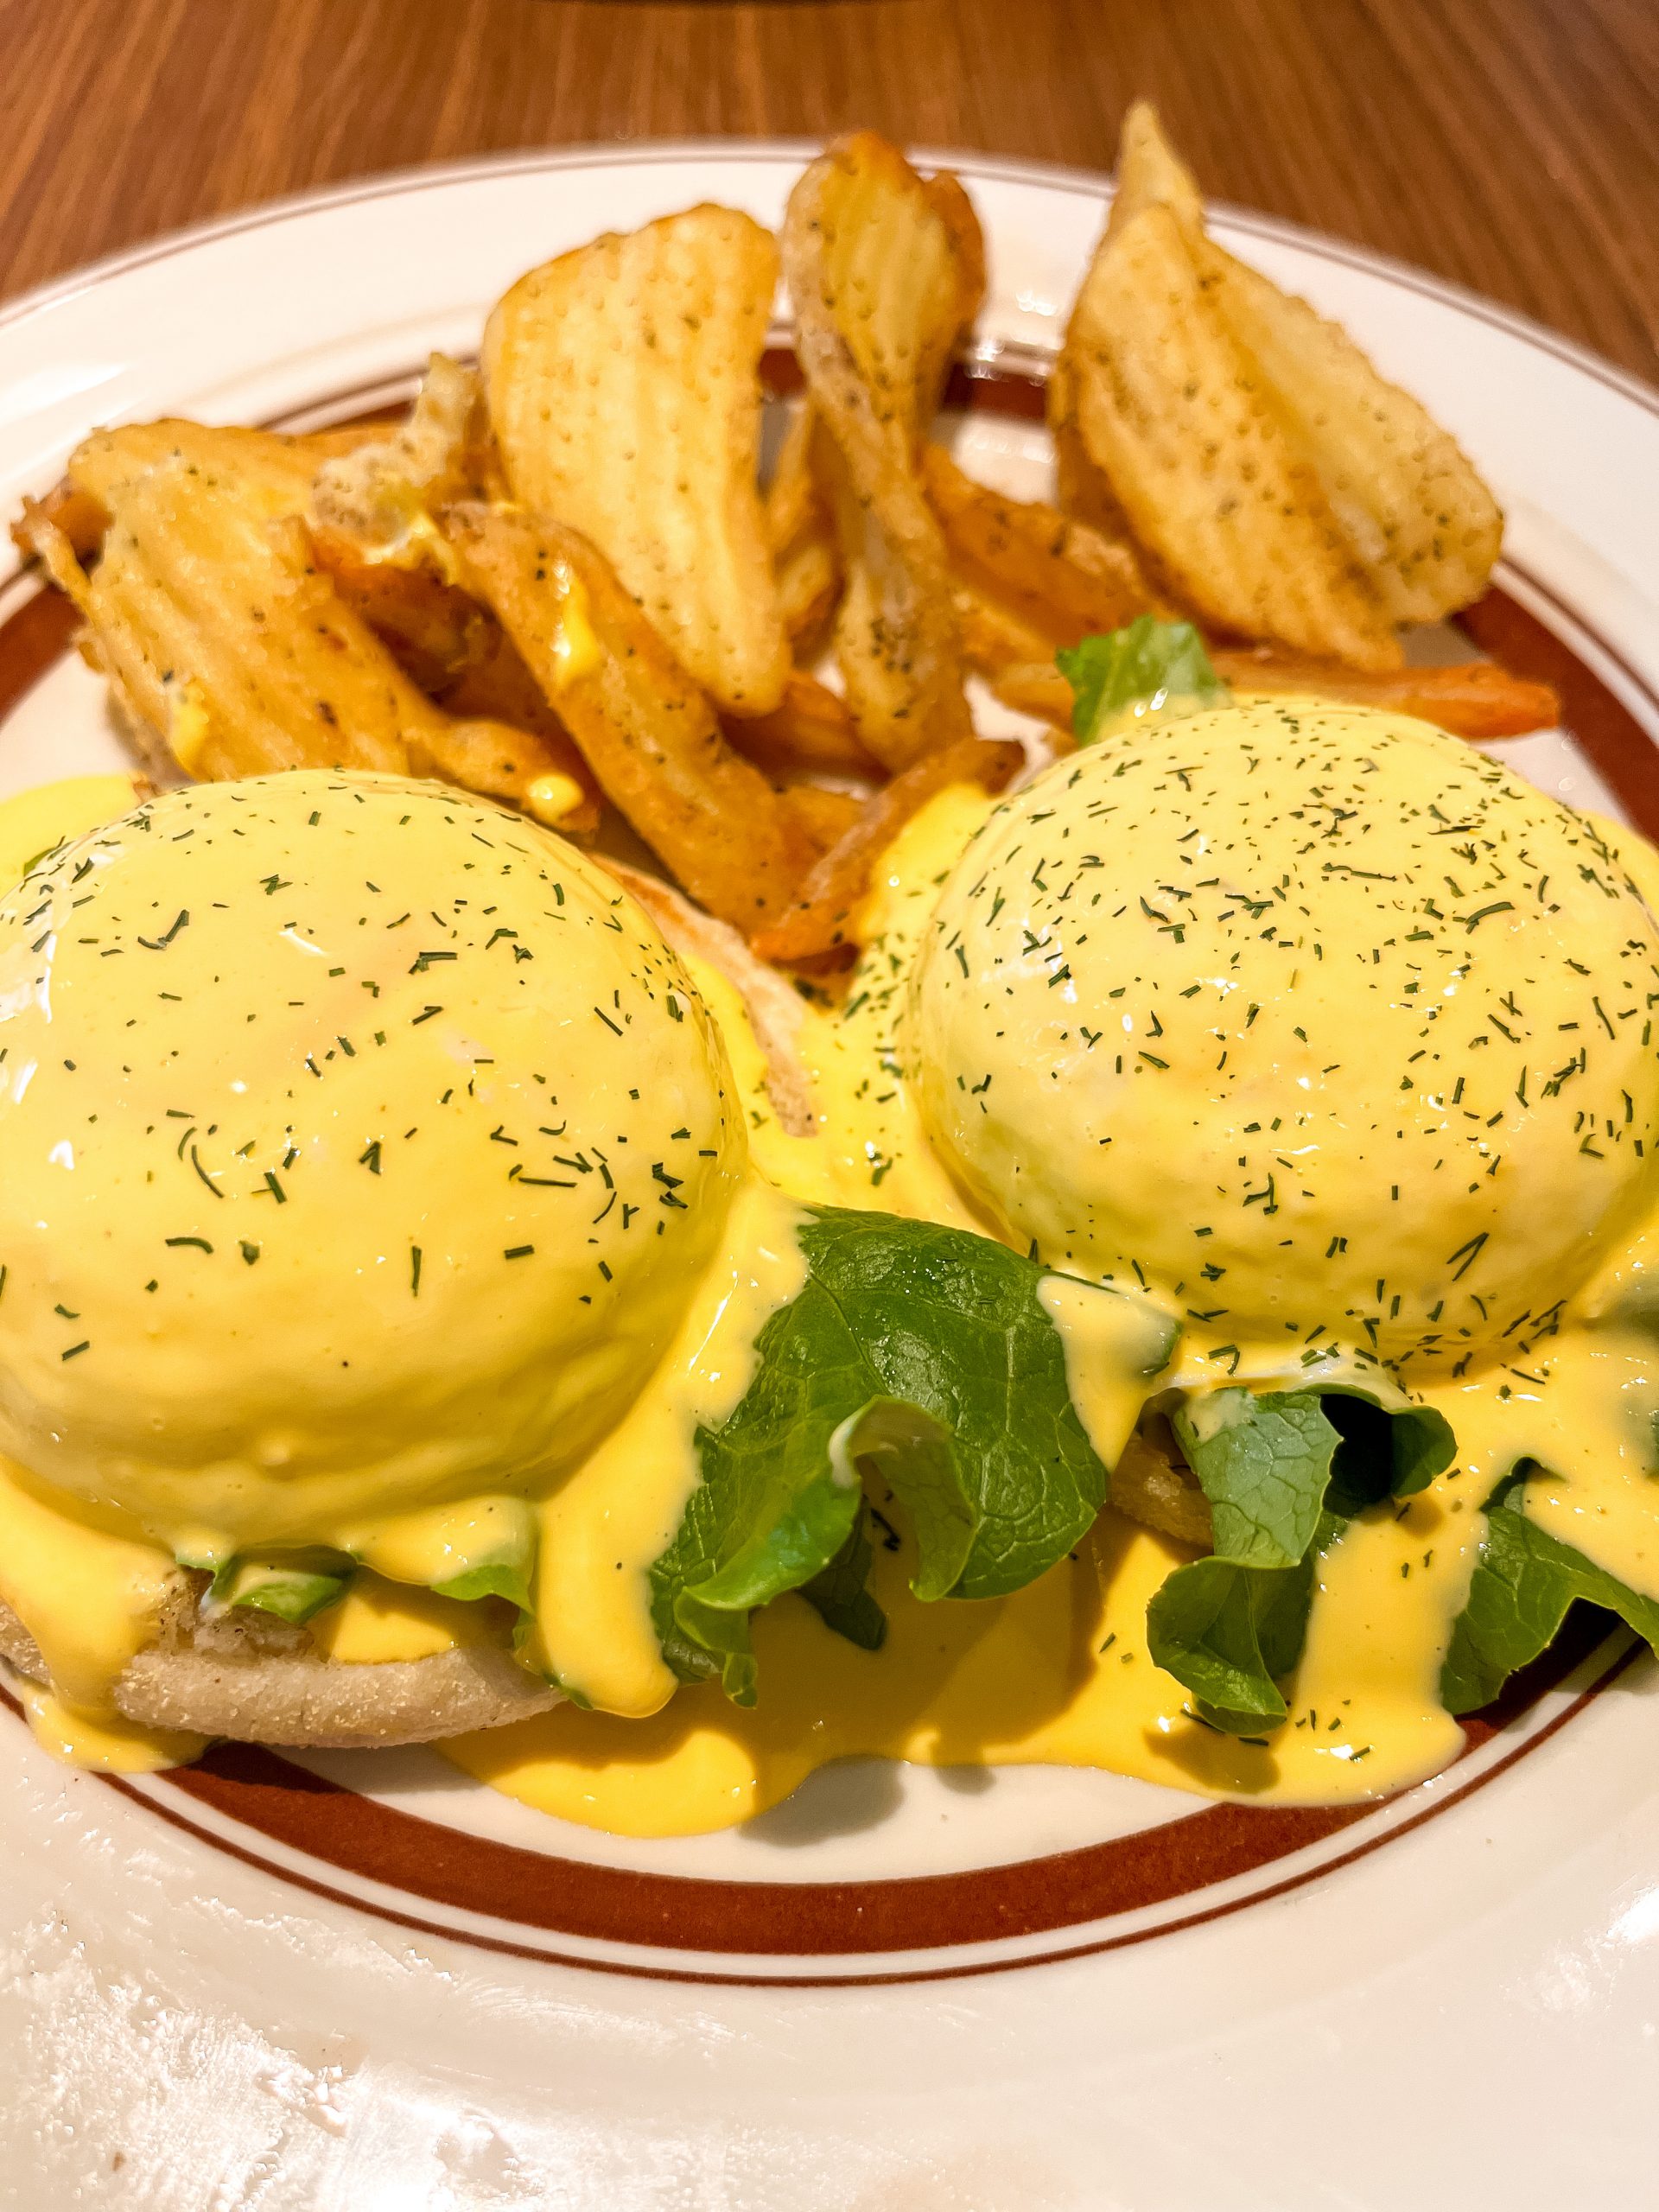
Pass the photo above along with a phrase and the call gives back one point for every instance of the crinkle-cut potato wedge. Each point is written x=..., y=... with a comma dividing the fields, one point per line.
x=649, y=733
x=885, y=272
x=801, y=532
x=1064, y=579
x=624, y=387
x=1150, y=173
x=1080, y=485
x=1425, y=527
x=1195, y=446
x=385, y=492
x=272, y=467
x=1405, y=494
x=822, y=923
x=232, y=653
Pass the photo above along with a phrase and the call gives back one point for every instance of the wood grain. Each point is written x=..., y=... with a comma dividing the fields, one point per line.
x=1508, y=144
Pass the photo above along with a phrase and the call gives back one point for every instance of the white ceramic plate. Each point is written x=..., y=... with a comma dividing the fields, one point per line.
x=366, y=1983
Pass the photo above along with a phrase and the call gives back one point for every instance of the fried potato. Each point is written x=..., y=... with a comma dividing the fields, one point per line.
x=1064, y=580
x=1276, y=405
x=232, y=653
x=1150, y=173
x=812, y=728
x=1471, y=698
x=433, y=630
x=624, y=387
x=1406, y=497
x=1035, y=687
x=823, y=922
x=1194, y=444
x=1152, y=1484
x=649, y=733
x=826, y=815
x=1080, y=486
x=460, y=656
x=281, y=466
x=801, y=532
x=993, y=637
x=885, y=272
x=383, y=493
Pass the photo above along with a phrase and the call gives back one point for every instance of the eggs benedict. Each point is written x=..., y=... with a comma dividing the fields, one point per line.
x=1329, y=1041
x=394, y=1334
x=426, y=1317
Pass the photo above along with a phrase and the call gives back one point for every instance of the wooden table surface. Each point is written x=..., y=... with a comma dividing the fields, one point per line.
x=1508, y=144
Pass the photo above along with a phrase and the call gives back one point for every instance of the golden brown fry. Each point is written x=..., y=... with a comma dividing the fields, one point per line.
x=825, y=816
x=801, y=532
x=1036, y=688
x=811, y=729
x=648, y=733
x=1471, y=698
x=623, y=386
x=384, y=493
x=1152, y=1483
x=1080, y=486
x=948, y=198
x=822, y=923
x=1407, y=497
x=1151, y=173
x=884, y=283
x=993, y=637
x=232, y=653
x=433, y=630
x=1064, y=580
x=539, y=770
x=76, y=516
x=1196, y=449
x=1283, y=396
x=461, y=657
x=808, y=588
x=281, y=467
x=792, y=506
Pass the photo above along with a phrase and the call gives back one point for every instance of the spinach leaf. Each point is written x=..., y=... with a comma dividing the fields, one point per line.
x=292, y=1586
x=839, y=1596
x=1525, y=1581
x=1270, y=1464
x=928, y=1352
x=1162, y=666
x=1227, y=1631
x=1283, y=1472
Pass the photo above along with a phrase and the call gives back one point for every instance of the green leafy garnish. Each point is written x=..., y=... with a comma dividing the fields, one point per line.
x=1283, y=1472
x=1525, y=1584
x=1227, y=1631
x=926, y=1352
x=1160, y=667
x=292, y=1585
x=1268, y=1465
x=507, y=1568
x=842, y=1602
